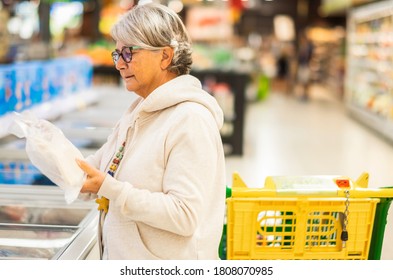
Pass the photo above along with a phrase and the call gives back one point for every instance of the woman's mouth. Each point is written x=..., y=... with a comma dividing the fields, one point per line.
x=128, y=77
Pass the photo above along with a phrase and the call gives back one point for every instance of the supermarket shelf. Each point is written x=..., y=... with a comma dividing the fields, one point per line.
x=369, y=68
x=375, y=122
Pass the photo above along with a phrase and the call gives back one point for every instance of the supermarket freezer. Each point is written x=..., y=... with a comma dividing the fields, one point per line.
x=36, y=223
x=35, y=220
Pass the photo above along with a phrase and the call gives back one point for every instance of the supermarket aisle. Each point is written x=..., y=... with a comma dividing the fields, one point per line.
x=284, y=136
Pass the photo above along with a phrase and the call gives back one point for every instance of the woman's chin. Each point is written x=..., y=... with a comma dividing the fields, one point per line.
x=129, y=85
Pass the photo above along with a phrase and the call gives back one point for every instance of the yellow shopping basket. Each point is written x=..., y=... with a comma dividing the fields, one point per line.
x=300, y=217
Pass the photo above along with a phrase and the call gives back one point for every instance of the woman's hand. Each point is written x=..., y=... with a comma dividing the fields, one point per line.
x=94, y=178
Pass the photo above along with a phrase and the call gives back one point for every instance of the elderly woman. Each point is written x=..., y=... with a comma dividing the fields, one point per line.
x=162, y=170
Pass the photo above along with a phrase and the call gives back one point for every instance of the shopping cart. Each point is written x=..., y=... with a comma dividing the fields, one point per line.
x=305, y=217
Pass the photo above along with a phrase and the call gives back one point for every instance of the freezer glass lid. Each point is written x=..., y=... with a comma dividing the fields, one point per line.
x=20, y=214
x=37, y=223
x=33, y=242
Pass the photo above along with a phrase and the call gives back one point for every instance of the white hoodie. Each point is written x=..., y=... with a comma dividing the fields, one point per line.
x=167, y=199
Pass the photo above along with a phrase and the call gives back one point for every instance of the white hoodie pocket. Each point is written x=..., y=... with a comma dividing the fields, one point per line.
x=123, y=241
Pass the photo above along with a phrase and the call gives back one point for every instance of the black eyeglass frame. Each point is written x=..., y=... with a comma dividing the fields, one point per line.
x=116, y=54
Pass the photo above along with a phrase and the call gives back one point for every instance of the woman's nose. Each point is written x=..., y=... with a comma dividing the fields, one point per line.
x=121, y=64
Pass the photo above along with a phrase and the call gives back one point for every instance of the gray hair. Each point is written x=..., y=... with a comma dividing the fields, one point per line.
x=153, y=26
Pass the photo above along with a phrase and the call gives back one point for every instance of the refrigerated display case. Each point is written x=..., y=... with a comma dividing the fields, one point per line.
x=368, y=82
x=36, y=223
x=35, y=220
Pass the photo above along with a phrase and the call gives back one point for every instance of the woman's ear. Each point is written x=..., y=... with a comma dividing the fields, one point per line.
x=167, y=56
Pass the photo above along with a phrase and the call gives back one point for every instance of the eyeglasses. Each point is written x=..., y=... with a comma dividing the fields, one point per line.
x=125, y=53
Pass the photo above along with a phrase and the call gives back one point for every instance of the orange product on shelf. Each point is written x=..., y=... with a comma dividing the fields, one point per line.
x=98, y=55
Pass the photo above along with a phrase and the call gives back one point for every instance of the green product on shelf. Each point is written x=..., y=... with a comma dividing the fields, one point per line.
x=263, y=87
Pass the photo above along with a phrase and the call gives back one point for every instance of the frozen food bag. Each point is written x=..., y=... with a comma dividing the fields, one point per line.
x=51, y=152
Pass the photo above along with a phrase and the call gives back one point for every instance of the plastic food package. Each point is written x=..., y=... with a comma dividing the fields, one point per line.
x=51, y=152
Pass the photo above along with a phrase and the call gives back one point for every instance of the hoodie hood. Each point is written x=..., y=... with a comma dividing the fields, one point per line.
x=185, y=88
